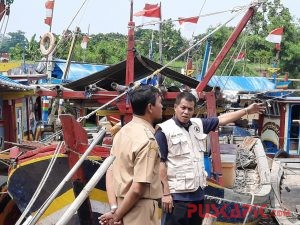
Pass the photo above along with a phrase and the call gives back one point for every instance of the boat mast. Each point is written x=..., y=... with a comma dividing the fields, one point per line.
x=130, y=51
x=68, y=62
x=160, y=37
x=205, y=59
x=49, y=57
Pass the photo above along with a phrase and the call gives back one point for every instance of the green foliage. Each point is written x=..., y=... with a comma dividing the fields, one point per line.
x=172, y=42
x=12, y=39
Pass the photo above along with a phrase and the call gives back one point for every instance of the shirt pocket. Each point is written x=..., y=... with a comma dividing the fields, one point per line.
x=179, y=145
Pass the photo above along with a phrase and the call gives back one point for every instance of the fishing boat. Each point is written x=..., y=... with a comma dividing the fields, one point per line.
x=285, y=200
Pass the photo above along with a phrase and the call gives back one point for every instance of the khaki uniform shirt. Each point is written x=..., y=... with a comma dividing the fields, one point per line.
x=137, y=159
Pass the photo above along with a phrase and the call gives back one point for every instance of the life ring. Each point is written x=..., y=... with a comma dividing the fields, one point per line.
x=47, y=43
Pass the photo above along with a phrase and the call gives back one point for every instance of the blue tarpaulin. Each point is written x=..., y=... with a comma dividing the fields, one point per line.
x=242, y=84
x=77, y=70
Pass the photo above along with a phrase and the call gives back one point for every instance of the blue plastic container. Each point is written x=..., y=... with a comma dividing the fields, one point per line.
x=207, y=165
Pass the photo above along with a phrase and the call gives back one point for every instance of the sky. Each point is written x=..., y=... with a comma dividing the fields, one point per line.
x=113, y=15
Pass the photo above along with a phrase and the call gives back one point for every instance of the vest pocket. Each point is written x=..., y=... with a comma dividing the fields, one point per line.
x=200, y=140
x=179, y=146
x=185, y=181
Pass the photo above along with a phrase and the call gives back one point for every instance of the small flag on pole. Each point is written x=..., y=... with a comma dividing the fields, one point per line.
x=150, y=10
x=275, y=36
x=84, y=42
x=182, y=20
x=240, y=57
x=49, y=12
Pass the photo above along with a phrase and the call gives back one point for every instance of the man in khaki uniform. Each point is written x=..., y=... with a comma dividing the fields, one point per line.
x=132, y=182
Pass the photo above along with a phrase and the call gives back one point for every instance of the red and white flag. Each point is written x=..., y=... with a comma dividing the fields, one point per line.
x=84, y=42
x=150, y=10
x=49, y=12
x=188, y=25
x=240, y=57
x=275, y=36
x=182, y=20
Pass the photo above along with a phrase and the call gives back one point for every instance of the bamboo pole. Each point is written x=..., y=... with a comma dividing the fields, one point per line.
x=85, y=192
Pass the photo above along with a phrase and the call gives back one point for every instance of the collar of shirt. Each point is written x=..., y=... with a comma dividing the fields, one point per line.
x=184, y=125
x=137, y=119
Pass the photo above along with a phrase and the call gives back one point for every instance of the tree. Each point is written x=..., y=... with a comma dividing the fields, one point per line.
x=173, y=43
x=12, y=39
x=279, y=16
x=32, y=50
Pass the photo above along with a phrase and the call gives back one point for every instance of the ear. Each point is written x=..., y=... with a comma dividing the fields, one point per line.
x=175, y=106
x=149, y=108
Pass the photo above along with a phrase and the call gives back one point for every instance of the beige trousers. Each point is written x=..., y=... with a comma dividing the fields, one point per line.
x=144, y=212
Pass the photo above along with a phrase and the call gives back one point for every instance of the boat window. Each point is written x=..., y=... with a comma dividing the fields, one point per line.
x=294, y=130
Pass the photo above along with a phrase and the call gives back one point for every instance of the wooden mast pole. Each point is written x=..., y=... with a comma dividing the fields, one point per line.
x=130, y=51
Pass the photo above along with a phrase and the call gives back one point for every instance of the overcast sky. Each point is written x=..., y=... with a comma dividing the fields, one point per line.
x=113, y=15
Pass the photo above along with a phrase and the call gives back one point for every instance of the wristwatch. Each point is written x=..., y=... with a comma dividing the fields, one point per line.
x=113, y=208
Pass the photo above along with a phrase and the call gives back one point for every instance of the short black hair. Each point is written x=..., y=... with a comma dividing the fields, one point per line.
x=141, y=96
x=187, y=96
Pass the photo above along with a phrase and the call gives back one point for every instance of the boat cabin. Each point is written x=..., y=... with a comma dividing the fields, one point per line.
x=281, y=122
x=17, y=115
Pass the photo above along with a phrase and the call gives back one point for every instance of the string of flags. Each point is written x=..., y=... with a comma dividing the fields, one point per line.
x=154, y=10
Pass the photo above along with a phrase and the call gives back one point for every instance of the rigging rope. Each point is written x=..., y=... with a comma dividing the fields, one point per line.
x=53, y=195
x=68, y=27
x=196, y=44
x=42, y=183
x=158, y=70
x=219, y=80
